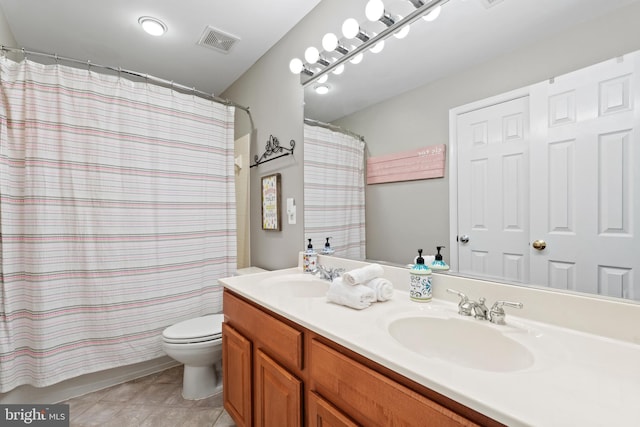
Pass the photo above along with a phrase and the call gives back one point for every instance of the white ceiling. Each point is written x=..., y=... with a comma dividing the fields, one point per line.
x=106, y=32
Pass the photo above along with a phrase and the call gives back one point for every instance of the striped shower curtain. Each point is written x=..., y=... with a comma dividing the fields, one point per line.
x=117, y=216
x=334, y=191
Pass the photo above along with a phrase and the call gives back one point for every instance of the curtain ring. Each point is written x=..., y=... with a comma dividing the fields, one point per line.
x=56, y=57
x=88, y=65
x=24, y=54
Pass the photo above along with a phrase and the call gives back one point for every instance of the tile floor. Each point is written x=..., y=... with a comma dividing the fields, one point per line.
x=154, y=400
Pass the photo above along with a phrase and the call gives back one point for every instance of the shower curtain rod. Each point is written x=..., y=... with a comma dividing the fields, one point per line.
x=119, y=70
x=334, y=128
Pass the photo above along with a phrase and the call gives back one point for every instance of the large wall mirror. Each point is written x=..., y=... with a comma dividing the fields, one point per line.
x=401, y=99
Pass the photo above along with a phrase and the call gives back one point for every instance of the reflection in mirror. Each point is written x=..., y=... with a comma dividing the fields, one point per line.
x=404, y=216
x=334, y=190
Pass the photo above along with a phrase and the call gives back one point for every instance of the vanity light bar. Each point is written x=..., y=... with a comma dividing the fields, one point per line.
x=307, y=77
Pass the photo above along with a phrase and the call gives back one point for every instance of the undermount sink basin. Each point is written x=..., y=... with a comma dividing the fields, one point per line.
x=464, y=341
x=297, y=285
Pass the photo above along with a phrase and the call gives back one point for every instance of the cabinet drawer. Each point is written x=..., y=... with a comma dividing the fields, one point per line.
x=267, y=333
x=371, y=398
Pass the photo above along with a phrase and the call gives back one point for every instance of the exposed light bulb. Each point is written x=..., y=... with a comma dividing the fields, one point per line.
x=433, y=15
x=374, y=10
x=323, y=78
x=330, y=42
x=378, y=47
x=311, y=55
x=357, y=59
x=402, y=33
x=350, y=28
x=296, y=65
x=339, y=69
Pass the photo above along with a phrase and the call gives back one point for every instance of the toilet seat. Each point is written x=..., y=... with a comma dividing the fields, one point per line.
x=199, y=329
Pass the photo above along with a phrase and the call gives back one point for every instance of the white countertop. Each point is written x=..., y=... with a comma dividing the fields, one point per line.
x=576, y=378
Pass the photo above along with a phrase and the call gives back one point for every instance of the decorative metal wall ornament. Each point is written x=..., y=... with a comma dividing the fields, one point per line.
x=273, y=147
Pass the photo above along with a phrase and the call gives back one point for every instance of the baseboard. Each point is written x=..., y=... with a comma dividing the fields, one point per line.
x=84, y=384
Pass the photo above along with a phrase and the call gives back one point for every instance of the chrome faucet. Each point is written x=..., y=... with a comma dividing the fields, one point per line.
x=327, y=273
x=465, y=307
x=479, y=310
x=497, y=314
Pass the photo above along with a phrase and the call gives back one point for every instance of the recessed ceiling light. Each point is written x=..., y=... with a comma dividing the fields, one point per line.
x=322, y=89
x=152, y=26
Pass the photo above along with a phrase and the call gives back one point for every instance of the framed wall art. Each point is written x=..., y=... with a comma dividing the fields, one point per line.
x=271, y=202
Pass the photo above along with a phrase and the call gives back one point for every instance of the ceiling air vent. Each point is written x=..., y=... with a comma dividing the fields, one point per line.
x=490, y=3
x=218, y=40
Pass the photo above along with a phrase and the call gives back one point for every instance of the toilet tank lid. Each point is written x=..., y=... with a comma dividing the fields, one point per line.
x=203, y=326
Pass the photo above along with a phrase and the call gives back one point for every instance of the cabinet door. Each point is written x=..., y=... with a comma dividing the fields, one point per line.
x=236, y=376
x=323, y=414
x=278, y=400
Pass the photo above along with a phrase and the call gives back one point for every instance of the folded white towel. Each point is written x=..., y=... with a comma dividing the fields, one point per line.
x=363, y=274
x=382, y=287
x=354, y=296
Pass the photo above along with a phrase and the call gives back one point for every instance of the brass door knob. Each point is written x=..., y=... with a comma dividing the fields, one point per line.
x=539, y=244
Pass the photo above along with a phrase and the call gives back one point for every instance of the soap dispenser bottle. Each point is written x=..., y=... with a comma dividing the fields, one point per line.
x=327, y=250
x=438, y=263
x=309, y=259
x=420, y=280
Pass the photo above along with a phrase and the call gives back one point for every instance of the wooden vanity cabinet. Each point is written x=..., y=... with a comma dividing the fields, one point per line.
x=277, y=373
x=262, y=365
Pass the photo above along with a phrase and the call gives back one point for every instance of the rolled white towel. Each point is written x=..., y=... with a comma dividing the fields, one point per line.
x=382, y=287
x=363, y=274
x=354, y=296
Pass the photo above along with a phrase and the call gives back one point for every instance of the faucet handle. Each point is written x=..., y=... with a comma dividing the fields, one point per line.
x=464, y=306
x=497, y=314
x=460, y=294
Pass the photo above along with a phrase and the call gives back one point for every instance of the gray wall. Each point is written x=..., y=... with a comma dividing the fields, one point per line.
x=402, y=217
x=6, y=36
x=276, y=99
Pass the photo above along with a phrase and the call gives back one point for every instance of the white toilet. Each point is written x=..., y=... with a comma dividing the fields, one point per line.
x=197, y=343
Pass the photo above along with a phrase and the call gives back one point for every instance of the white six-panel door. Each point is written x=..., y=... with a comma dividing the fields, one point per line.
x=493, y=201
x=571, y=183
x=584, y=158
